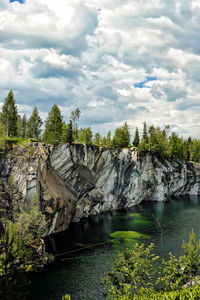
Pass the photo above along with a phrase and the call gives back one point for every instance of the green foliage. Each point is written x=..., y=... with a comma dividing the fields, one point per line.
x=191, y=293
x=14, y=261
x=177, y=147
x=194, y=149
x=155, y=140
x=97, y=139
x=103, y=141
x=66, y=297
x=136, y=140
x=85, y=136
x=75, y=116
x=192, y=256
x=2, y=137
x=132, y=270
x=145, y=138
x=53, y=126
x=18, y=246
x=135, y=274
x=24, y=126
x=108, y=139
x=34, y=125
x=9, y=115
x=19, y=125
x=121, y=137
x=67, y=133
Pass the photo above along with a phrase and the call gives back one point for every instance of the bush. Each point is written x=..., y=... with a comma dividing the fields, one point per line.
x=135, y=274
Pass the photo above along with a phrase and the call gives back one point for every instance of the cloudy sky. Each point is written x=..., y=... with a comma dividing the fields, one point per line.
x=117, y=60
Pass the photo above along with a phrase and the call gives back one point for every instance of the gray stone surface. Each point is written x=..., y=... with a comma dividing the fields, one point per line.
x=80, y=180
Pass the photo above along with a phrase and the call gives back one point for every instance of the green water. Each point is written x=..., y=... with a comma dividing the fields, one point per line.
x=91, y=245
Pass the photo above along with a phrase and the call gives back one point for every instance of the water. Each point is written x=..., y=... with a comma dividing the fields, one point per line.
x=91, y=245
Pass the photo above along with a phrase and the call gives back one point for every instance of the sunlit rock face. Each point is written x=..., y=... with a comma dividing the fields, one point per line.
x=80, y=180
x=106, y=179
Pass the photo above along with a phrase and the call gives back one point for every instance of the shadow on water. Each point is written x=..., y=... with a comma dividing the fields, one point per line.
x=91, y=245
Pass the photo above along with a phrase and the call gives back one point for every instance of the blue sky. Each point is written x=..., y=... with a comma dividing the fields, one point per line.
x=20, y=1
x=117, y=60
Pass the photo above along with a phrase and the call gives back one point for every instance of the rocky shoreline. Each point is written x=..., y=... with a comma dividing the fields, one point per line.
x=75, y=181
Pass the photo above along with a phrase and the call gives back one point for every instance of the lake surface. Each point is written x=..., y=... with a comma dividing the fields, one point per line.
x=87, y=249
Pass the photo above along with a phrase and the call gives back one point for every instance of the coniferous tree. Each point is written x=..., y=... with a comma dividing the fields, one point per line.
x=126, y=134
x=24, y=125
x=67, y=133
x=34, y=125
x=9, y=115
x=145, y=134
x=121, y=136
x=53, y=126
x=195, y=150
x=2, y=130
x=19, y=126
x=136, y=138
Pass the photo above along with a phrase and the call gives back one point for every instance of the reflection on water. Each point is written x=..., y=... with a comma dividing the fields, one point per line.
x=92, y=245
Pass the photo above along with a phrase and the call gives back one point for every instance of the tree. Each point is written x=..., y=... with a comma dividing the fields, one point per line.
x=34, y=125
x=75, y=116
x=24, y=126
x=53, y=126
x=136, y=138
x=133, y=269
x=121, y=136
x=97, y=139
x=194, y=149
x=85, y=136
x=2, y=130
x=192, y=256
x=145, y=134
x=135, y=274
x=67, y=133
x=14, y=261
x=177, y=147
x=21, y=248
x=126, y=134
x=9, y=115
x=19, y=126
x=108, y=139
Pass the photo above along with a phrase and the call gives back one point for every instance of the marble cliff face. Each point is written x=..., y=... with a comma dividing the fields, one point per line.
x=80, y=180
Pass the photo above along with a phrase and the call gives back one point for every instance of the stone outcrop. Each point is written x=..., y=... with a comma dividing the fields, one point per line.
x=80, y=180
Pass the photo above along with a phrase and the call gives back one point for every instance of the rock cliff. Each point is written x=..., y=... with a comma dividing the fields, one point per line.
x=79, y=180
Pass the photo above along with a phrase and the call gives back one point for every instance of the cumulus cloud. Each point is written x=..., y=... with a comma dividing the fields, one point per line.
x=117, y=60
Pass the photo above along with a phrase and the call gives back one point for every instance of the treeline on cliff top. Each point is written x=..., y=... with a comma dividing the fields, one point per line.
x=153, y=139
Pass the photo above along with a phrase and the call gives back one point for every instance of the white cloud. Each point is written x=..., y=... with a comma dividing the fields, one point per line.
x=90, y=53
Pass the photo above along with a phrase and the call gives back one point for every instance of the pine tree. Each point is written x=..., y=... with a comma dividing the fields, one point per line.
x=24, y=126
x=136, y=138
x=19, y=126
x=121, y=136
x=9, y=115
x=67, y=133
x=53, y=126
x=126, y=134
x=34, y=125
x=145, y=134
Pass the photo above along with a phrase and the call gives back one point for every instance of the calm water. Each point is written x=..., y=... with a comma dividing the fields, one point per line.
x=90, y=246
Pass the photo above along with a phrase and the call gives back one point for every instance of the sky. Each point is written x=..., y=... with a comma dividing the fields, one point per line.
x=117, y=60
